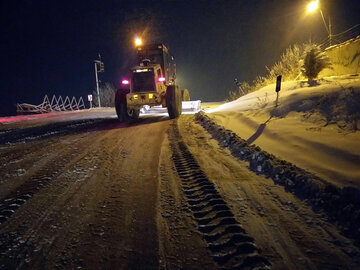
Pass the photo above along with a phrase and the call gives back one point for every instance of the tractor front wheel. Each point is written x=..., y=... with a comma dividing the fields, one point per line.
x=185, y=95
x=122, y=111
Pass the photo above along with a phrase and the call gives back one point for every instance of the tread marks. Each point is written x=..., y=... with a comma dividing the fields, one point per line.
x=228, y=242
x=24, y=192
x=9, y=206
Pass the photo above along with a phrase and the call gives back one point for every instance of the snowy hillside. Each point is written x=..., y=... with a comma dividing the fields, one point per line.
x=315, y=128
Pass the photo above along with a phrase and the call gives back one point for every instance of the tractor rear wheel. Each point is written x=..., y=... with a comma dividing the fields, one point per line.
x=185, y=95
x=122, y=111
x=173, y=101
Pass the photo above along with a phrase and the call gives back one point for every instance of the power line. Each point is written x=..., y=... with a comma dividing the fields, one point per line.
x=347, y=30
x=350, y=33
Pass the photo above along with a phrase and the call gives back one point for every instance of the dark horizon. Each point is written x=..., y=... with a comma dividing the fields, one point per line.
x=49, y=48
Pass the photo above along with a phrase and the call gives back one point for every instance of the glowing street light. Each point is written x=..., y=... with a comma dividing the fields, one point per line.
x=138, y=41
x=314, y=5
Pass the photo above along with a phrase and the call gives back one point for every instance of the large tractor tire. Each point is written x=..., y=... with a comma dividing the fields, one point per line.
x=173, y=101
x=185, y=95
x=122, y=112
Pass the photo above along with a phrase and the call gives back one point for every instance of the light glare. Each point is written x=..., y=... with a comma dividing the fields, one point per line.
x=125, y=82
x=313, y=6
x=138, y=41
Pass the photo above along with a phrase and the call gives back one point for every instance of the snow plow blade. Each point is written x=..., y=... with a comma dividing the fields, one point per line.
x=187, y=107
x=191, y=106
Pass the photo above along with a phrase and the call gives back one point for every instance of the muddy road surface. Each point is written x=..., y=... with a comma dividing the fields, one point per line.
x=154, y=194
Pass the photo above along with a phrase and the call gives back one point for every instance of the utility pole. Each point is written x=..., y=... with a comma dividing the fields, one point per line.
x=97, y=84
x=327, y=27
x=314, y=5
x=100, y=64
x=330, y=35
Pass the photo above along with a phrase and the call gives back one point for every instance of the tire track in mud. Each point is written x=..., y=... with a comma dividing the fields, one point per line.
x=34, y=243
x=17, y=198
x=231, y=247
x=40, y=179
x=16, y=248
x=29, y=134
x=45, y=175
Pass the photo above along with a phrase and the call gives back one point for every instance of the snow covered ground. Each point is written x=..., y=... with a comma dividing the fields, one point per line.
x=76, y=178
x=316, y=128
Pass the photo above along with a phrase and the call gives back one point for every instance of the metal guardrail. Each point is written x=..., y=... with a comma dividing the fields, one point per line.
x=56, y=104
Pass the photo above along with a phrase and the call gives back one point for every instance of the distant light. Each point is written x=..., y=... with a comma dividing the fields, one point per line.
x=151, y=96
x=312, y=6
x=142, y=70
x=138, y=42
x=135, y=96
x=125, y=82
x=161, y=79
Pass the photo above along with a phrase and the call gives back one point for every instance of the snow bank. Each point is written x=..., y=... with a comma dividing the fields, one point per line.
x=342, y=205
x=315, y=128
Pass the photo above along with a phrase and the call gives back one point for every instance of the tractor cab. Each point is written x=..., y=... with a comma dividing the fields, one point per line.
x=158, y=54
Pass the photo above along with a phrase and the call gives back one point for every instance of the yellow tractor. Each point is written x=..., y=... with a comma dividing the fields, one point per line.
x=151, y=83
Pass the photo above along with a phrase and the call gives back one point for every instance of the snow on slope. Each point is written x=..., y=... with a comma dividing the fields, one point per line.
x=313, y=127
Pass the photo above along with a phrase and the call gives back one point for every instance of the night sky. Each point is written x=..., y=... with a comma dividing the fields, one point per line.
x=48, y=47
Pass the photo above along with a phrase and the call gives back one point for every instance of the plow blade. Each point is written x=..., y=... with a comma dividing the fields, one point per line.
x=187, y=107
x=191, y=106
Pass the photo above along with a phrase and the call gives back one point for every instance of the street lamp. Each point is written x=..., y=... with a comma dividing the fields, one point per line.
x=314, y=5
x=138, y=42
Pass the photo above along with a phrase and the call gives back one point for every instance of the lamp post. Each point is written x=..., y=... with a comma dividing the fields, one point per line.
x=314, y=5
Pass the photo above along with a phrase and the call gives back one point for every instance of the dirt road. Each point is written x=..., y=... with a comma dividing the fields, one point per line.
x=154, y=194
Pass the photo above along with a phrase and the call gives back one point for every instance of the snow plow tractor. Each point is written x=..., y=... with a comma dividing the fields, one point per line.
x=151, y=83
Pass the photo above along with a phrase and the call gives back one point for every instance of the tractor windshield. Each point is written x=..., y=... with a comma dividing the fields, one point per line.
x=155, y=56
x=143, y=81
